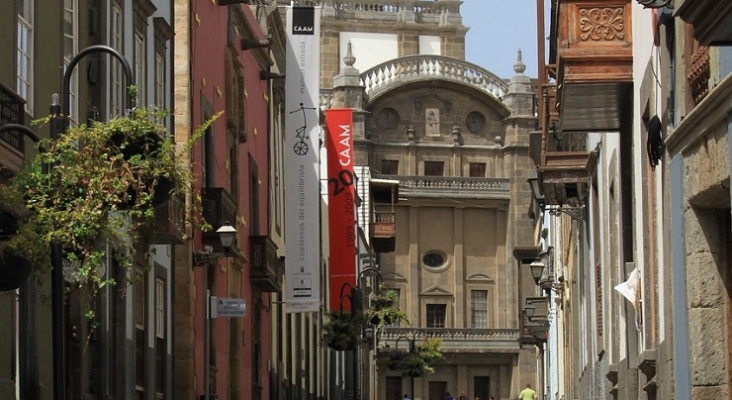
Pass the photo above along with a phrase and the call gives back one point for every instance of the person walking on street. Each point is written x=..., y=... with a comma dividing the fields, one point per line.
x=406, y=397
x=463, y=396
x=528, y=393
x=448, y=396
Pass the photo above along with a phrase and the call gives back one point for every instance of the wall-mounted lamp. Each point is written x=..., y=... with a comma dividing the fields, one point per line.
x=529, y=309
x=536, y=192
x=227, y=235
x=537, y=270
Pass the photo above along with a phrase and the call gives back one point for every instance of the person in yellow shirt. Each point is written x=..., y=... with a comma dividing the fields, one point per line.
x=528, y=393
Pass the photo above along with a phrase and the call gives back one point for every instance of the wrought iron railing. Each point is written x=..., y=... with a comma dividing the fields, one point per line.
x=12, y=110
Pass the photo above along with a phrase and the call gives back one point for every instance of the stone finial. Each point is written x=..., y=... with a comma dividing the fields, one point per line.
x=457, y=136
x=519, y=67
x=349, y=59
x=411, y=133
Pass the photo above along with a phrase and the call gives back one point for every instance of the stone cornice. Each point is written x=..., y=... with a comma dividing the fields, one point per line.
x=704, y=117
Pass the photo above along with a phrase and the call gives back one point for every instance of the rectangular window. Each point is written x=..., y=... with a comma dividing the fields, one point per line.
x=253, y=196
x=436, y=315
x=116, y=101
x=159, y=81
x=140, y=68
x=390, y=167
x=477, y=170
x=434, y=168
x=479, y=309
x=209, y=162
x=71, y=44
x=24, y=70
x=160, y=345
x=138, y=286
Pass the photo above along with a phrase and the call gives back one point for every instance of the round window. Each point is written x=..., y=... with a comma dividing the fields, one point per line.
x=388, y=118
x=435, y=260
x=475, y=122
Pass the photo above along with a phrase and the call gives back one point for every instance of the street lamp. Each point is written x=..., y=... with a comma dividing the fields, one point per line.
x=536, y=193
x=59, y=123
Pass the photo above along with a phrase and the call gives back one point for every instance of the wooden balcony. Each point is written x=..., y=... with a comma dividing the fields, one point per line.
x=383, y=231
x=218, y=207
x=564, y=161
x=712, y=20
x=382, y=227
x=265, y=269
x=591, y=45
x=170, y=222
x=565, y=169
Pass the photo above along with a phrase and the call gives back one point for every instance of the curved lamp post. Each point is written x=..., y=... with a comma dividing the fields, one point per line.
x=59, y=123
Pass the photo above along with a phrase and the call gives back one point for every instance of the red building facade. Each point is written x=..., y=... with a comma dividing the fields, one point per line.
x=229, y=58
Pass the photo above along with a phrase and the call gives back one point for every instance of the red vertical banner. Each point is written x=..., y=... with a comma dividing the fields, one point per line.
x=341, y=205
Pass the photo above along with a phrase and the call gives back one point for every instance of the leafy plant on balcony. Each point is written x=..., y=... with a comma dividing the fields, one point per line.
x=384, y=310
x=342, y=330
x=102, y=187
x=419, y=361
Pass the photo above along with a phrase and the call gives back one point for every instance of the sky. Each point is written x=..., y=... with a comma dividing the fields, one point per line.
x=498, y=29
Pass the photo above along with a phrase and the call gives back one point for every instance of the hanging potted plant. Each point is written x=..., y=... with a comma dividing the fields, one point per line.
x=342, y=331
x=106, y=180
x=384, y=309
x=418, y=361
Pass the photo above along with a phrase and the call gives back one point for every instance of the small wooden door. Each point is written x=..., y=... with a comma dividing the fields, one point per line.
x=438, y=390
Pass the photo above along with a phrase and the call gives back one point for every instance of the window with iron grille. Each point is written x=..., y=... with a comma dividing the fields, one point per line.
x=477, y=170
x=138, y=287
x=479, y=309
x=24, y=72
x=71, y=47
x=117, y=95
x=434, y=168
x=390, y=167
x=436, y=315
x=160, y=345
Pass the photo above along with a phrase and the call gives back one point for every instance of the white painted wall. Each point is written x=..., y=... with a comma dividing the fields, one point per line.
x=430, y=45
x=370, y=49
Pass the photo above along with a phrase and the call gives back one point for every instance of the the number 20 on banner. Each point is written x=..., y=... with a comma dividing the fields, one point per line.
x=341, y=203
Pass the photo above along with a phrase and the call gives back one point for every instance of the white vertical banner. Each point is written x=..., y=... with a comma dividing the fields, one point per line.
x=302, y=148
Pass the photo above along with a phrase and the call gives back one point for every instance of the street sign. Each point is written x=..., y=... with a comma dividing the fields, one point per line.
x=228, y=308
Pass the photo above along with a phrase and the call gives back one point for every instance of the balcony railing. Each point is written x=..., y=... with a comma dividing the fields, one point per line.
x=460, y=187
x=458, y=339
x=170, y=222
x=427, y=67
x=264, y=269
x=12, y=110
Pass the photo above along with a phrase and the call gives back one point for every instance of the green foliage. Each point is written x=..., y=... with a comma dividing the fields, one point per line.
x=104, y=185
x=384, y=310
x=419, y=361
x=342, y=331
